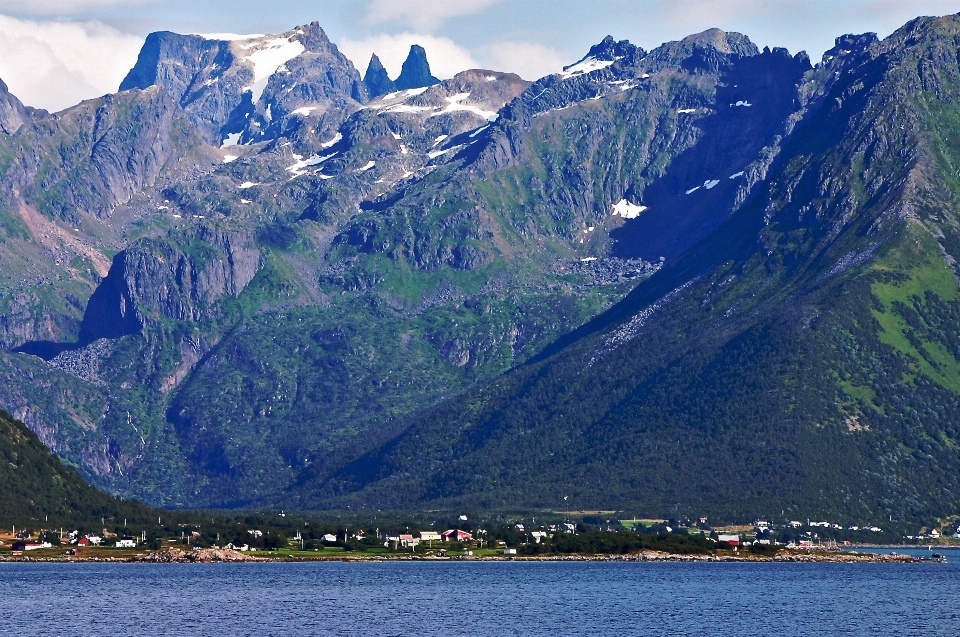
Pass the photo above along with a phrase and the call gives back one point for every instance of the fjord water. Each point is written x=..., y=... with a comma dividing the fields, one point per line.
x=480, y=598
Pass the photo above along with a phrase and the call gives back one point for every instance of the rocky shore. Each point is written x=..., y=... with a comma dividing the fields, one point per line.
x=208, y=556
x=177, y=556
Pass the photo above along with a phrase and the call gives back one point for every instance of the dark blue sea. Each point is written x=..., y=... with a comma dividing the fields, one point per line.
x=481, y=598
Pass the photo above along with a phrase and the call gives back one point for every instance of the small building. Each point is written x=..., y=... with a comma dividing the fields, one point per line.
x=84, y=542
x=509, y=551
x=539, y=536
x=329, y=538
x=408, y=541
x=126, y=542
x=94, y=540
x=456, y=535
x=28, y=545
x=429, y=536
x=732, y=540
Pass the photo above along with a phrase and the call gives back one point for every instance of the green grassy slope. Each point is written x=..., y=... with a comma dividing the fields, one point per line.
x=40, y=491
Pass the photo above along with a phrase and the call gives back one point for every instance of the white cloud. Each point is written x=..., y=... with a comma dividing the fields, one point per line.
x=56, y=64
x=424, y=14
x=528, y=60
x=446, y=57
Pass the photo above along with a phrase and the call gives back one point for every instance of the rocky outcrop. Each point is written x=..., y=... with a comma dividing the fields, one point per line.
x=101, y=153
x=376, y=79
x=248, y=85
x=13, y=114
x=315, y=91
x=415, y=72
x=205, y=556
x=176, y=278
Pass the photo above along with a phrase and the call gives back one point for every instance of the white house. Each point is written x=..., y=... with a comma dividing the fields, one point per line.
x=429, y=536
x=538, y=536
x=126, y=542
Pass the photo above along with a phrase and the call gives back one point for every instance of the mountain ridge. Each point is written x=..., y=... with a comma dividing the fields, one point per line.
x=621, y=280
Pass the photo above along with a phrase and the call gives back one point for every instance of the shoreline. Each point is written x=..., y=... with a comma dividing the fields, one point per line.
x=226, y=556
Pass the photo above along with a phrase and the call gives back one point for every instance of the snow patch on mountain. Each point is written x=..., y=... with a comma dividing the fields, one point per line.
x=229, y=37
x=587, y=65
x=336, y=138
x=407, y=108
x=627, y=210
x=232, y=140
x=298, y=168
x=269, y=57
x=454, y=103
x=437, y=153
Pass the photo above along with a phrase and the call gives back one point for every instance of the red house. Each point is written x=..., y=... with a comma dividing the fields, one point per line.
x=456, y=535
x=83, y=542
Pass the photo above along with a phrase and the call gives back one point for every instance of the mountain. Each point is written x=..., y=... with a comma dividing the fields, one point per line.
x=800, y=357
x=706, y=279
x=39, y=490
x=248, y=88
x=415, y=72
x=376, y=79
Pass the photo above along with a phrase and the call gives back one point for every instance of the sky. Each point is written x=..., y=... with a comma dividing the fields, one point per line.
x=55, y=53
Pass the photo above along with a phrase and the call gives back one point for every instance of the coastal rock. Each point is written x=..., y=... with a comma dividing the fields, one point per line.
x=179, y=556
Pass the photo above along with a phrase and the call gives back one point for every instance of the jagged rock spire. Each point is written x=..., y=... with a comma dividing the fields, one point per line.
x=376, y=79
x=416, y=70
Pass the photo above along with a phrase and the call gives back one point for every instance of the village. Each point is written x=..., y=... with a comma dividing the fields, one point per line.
x=466, y=539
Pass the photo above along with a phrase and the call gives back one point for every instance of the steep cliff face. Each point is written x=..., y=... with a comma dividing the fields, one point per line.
x=13, y=114
x=174, y=278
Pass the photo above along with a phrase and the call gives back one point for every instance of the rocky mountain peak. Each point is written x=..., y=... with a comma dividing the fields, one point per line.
x=244, y=84
x=415, y=72
x=702, y=53
x=376, y=79
x=13, y=114
x=610, y=49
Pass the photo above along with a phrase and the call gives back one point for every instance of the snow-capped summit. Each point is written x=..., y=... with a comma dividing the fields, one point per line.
x=247, y=84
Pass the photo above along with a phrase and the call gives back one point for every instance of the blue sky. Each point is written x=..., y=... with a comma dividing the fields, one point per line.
x=53, y=53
